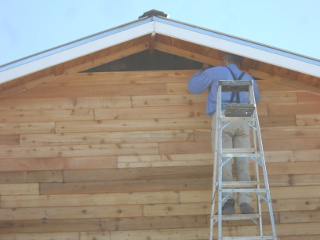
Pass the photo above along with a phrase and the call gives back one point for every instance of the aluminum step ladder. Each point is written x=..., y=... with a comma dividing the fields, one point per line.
x=259, y=187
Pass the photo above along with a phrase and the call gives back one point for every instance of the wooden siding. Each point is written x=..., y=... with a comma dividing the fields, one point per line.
x=127, y=155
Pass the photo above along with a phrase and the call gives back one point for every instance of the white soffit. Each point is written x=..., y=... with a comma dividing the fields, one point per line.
x=251, y=50
x=60, y=56
x=166, y=27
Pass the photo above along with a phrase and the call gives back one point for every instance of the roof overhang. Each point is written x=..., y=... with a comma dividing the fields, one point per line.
x=164, y=26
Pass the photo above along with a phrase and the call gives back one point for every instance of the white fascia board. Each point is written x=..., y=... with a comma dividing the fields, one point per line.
x=201, y=37
x=77, y=51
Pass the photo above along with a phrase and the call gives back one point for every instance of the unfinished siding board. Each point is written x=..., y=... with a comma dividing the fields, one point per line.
x=134, y=125
x=146, y=161
x=52, y=103
x=19, y=189
x=59, y=163
x=96, y=90
x=142, y=164
x=67, y=200
x=150, y=112
x=21, y=116
x=50, y=226
x=9, y=139
x=40, y=236
x=125, y=186
x=30, y=127
x=107, y=137
x=98, y=175
x=308, y=119
x=297, y=108
x=171, y=100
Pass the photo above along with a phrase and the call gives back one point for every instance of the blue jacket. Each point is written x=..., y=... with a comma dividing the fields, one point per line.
x=209, y=79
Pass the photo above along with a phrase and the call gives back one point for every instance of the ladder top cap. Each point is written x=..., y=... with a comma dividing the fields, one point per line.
x=235, y=82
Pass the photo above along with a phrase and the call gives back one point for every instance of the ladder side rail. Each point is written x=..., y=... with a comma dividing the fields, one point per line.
x=265, y=173
x=255, y=140
x=264, y=168
x=219, y=153
x=215, y=166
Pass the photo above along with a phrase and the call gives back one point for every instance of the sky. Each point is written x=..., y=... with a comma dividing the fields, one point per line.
x=28, y=27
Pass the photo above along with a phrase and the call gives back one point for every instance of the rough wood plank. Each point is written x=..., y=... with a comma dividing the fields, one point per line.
x=295, y=108
x=293, y=168
x=185, y=147
x=51, y=226
x=295, y=192
x=79, y=150
x=134, y=125
x=40, y=236
x=18, y=103
x=165, y=234
x=95, y=90
x=290, y=132
x=126, y=186
x=179, y=88
x=31, y=177
x=308, y=97
x=165, y=160
x=24, y=116
x=150, y=112
x=307, y=155
x=38, y=164
x=9, y=139
x=124, y=77
x=31, y=127
x=71, y=212
x=300, y=216
x=132, y=198
x=277, y=120
x=308, y=119
x=168, y=100
x=100, y=175
x=106, y=137
x=291, y=143
x=279, y=96
x=177, y=209
x=19, y=189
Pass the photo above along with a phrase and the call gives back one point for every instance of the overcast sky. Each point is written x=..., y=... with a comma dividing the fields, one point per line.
x=31, y=26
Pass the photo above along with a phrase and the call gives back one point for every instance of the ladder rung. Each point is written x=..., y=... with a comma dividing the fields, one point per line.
x=239, y=184
x=238, y=190
x=238, y=150
x=249, y=238
x=238, y=217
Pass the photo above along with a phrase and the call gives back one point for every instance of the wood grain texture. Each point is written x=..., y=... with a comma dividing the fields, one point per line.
x=127, y=155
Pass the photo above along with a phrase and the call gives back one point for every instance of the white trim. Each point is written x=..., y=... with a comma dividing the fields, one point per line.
x=76, y=52
x=239, y=49
x=175, y=30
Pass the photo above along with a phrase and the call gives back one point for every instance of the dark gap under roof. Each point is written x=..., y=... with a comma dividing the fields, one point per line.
x=144, y=61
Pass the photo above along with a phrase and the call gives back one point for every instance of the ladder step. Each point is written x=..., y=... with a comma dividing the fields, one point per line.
x=239, y=110
x=238, y=190
x=249, y=238
x=235, y=86
x=237, y=150
x=238, y=217
x=239, y=184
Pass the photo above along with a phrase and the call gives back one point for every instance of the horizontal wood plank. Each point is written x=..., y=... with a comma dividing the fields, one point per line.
x=106, y=137
x=134, y=125
x=18, y=116
x=126, y=186
x=134, y=198
x=30, y=127
x=150, y=112
x=19, y=189
x=79, y=150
